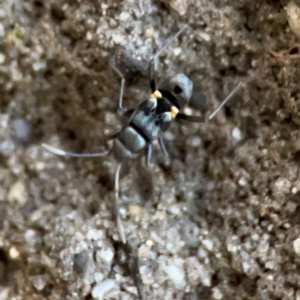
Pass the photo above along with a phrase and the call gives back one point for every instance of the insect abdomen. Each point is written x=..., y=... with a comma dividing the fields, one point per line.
x=132, y=139
x=128, y=143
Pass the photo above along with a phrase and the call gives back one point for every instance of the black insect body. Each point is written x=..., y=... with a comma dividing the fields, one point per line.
x=147, y=122
x=151, y=118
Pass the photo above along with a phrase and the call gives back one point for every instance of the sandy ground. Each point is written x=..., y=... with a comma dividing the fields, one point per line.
x=219, y=219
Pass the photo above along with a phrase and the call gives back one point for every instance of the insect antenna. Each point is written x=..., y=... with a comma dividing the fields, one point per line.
x=203, y=119
x=61, y=152
x=224, y=102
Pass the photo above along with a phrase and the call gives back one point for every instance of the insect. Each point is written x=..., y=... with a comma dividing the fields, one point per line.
x=148, y=121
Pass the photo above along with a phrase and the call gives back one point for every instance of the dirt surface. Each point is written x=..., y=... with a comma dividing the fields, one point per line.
x=219, y=219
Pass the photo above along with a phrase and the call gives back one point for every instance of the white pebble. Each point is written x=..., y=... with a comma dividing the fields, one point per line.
x=117, y=38
x=176, y=275
x=17, y=193
x=175, y=210
x=2, y=58
x=217, y=294
x=31, y=237
x=39, y=65
x=124, y=16
x=204, y=36
x=39, y=166
x=7, y=147
x=296, y=245
x=107, y=255
x=208, y=244
x=98, y=277
x=39, y=282
x=293, y=13
x=177, y=51
x=282, y=185
x=242, y=181
x=146, y=275
x=236, y=134
x=2, y=30
x=95, y=234
x=2, y=13
x=4, y=121
x=100, y=290
x=5, y=293
x=89, y=36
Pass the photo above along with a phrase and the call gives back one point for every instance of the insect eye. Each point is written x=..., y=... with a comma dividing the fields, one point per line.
x=177, y=89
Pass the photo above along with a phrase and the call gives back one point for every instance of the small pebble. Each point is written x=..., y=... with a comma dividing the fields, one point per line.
x=236, y=134
x=149, y=32
x=208, y=244
x=95, y=234
x=242, y=182
x=32, y=238
x=39, y=65
x=100, y=291
x=98, y=277
x=21, y=130
x=2, y=13
x=4, y=293
x=181, y=6
x=204, y=36
x=14, y=253
x=293, y=16
x=106, y=255
x=197, y=272
x=2, y=30
x=136, y=211
x=17, y=193
x=177, y=51
x=7, y=147
x=146, y=275
x=176, y=275
x=117, y=38
x=38, y=282
x=217, y=294
x=282, y=185
x=296, y=245
x=2, y=58
x=81, y=261
x=4, y=118
x=124, y=16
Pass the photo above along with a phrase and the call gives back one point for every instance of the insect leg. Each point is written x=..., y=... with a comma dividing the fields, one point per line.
x=112, y=135
x=149, y=155
x=119, y=73
x=151, y=61
x=117, y=213
x=163, y=146
x=202, y=119
x=72, y=154
x=192, y=119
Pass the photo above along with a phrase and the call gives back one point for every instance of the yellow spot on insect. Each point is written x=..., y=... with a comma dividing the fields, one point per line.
x=156, y=94
x=174, y=111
